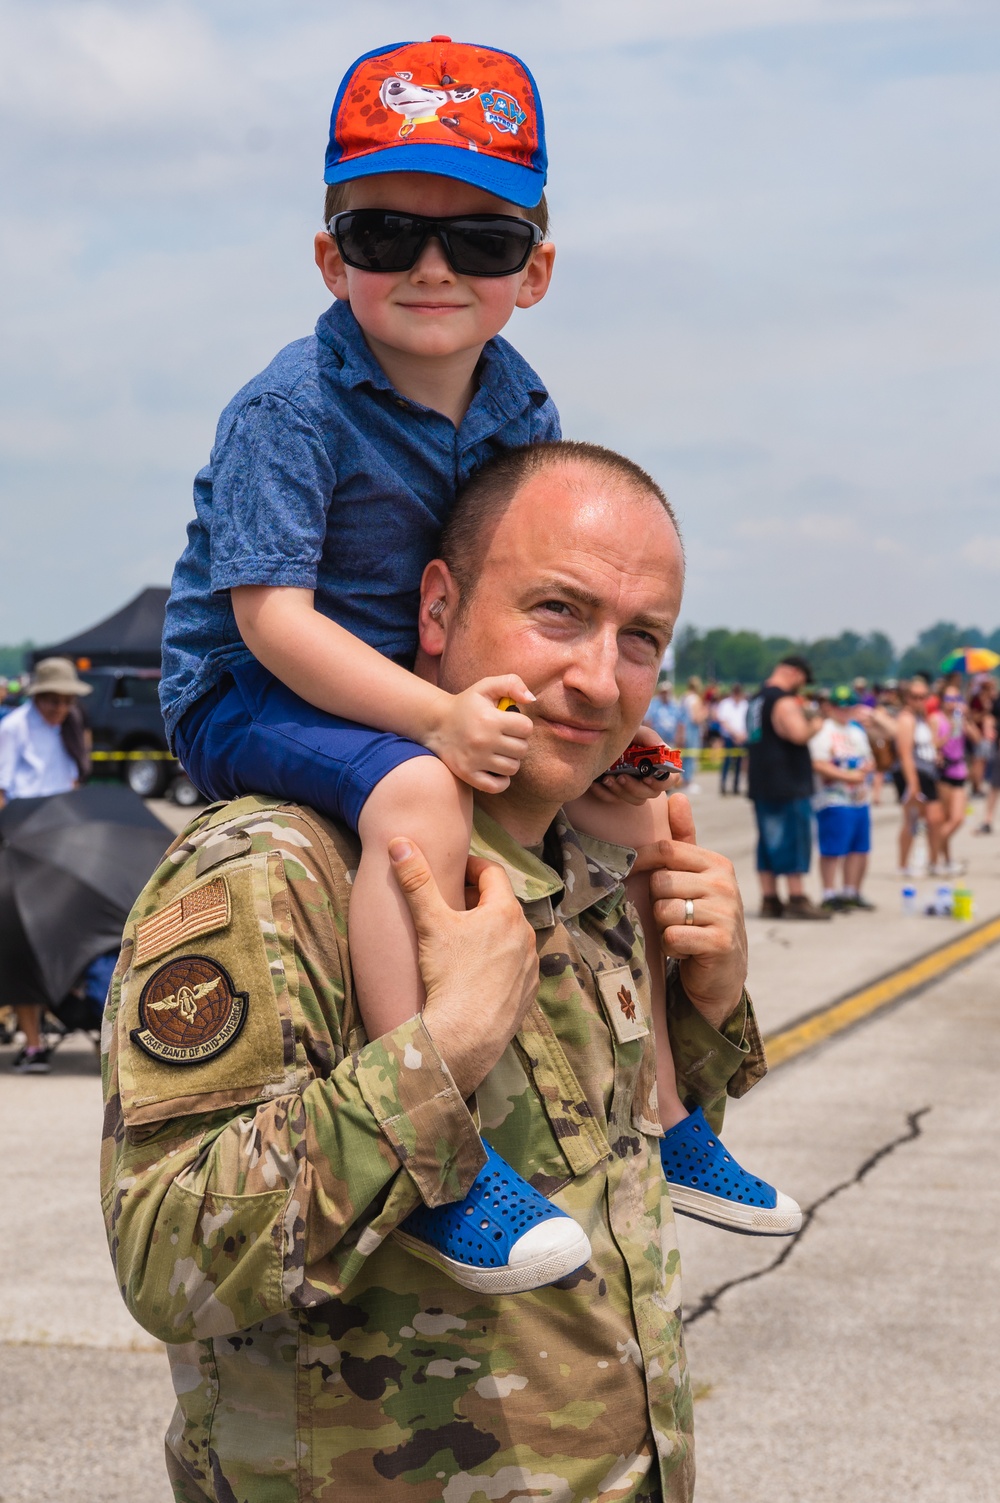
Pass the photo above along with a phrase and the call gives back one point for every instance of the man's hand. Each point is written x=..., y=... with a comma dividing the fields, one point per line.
x=712, y=949
x=479, y=968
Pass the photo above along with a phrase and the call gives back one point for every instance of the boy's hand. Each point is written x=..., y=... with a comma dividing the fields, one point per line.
x=627, y=790
x=482, y=744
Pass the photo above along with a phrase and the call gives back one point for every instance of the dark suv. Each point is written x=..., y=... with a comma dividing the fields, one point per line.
x=123, y=713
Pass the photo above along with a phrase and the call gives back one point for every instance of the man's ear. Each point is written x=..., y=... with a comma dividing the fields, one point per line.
x=331, y=265
x=438, y=604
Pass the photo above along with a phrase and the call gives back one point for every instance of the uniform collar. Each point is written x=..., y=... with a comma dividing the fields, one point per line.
x=591, y=875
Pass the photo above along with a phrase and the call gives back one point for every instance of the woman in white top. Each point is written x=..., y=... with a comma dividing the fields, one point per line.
x=41, y=749
x=39, y=756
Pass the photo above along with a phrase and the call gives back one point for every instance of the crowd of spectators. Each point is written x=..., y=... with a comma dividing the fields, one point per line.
x=818, y=758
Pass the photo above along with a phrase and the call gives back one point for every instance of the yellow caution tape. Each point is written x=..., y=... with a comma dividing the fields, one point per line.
x=132, y=756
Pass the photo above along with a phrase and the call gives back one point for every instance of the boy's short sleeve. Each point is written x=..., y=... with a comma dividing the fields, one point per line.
x=272, y=484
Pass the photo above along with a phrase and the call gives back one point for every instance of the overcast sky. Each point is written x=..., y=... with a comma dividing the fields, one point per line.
x=777, y=286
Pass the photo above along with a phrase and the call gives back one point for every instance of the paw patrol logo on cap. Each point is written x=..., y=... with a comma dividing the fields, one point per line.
x=444, y=107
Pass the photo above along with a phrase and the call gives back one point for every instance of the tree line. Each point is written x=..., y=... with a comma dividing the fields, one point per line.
x=747, y=658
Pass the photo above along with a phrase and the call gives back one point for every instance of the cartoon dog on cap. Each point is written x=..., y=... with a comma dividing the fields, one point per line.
x=421, y=104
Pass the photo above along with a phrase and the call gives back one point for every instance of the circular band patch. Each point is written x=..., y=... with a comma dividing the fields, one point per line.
x=189, y=1012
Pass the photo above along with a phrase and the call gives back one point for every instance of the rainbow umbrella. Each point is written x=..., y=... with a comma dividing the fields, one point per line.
x=970, y=660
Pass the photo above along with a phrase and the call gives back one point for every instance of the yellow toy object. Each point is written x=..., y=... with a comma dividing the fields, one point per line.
x=508, y=704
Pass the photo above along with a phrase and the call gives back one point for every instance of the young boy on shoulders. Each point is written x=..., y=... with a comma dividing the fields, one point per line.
x=292, y=619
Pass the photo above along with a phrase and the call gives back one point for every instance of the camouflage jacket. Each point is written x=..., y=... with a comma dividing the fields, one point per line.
x=253, y=1168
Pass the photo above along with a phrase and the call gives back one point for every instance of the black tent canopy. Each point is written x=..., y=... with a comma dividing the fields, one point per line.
x=131, y=636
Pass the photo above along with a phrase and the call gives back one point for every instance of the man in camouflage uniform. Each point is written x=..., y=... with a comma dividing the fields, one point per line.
x=259, y=1151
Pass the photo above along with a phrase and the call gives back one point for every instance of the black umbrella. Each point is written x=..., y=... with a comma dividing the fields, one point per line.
x=71, y=866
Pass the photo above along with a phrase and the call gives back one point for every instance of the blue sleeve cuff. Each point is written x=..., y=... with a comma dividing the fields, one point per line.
x=252, y=570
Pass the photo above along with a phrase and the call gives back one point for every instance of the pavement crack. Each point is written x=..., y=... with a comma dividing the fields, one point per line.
x=709, y=1303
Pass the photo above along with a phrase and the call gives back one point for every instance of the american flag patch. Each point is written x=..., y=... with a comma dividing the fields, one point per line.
x=197, y=912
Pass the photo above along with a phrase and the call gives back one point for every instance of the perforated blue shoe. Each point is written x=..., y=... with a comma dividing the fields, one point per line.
x=503, y=1238
x=706, y=1182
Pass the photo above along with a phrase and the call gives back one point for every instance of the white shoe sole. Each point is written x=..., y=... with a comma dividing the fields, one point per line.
x=753, y=1221
x=517, y=1278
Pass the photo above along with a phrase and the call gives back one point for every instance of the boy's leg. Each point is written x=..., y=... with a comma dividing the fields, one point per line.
x=638, y=825
x=831, y=827
x=422, y=800
x=703, y=1178
x=856, y=859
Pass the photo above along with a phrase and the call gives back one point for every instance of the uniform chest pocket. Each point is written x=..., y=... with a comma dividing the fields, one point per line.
x=200, y=1023
x=634, y=1094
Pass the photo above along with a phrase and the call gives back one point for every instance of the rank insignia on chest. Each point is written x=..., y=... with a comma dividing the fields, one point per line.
x=626, y=1002
x=622, y=1006
x=189, y=1012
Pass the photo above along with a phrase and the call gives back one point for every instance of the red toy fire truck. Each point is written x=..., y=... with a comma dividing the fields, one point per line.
x=647, y=761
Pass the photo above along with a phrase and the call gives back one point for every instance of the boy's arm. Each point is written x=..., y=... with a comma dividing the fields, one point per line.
x=330, y=668
x=831, y=773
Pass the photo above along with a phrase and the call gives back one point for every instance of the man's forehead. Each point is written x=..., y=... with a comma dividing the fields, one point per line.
x=579, y=517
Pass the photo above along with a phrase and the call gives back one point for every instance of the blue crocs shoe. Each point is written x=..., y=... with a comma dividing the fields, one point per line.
x=707, y=1183
x=503, y=1238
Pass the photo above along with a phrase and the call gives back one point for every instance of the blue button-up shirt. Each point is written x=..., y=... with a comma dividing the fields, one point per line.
x=323, y=477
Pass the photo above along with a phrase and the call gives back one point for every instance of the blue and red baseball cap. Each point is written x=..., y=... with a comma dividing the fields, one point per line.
x=451, y=108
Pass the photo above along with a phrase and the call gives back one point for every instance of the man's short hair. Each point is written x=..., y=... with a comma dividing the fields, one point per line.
x=794, y=660
x=482, y=504
x=338, y=198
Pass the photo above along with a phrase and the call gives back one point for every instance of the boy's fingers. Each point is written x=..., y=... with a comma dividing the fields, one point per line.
x=488, y=782
x=516, y=729
x=505, y=686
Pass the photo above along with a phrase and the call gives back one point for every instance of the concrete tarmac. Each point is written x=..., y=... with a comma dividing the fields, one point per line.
x=856, y=1362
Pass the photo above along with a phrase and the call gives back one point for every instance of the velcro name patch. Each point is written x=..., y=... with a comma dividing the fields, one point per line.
x=201, y=911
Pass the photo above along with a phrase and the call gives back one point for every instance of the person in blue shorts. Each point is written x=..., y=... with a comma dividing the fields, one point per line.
x=292, y=621
x=780, y=785
x=843, y=765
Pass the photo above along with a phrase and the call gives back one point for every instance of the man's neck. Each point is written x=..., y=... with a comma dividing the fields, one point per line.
x=446, y=383
x=524, y=822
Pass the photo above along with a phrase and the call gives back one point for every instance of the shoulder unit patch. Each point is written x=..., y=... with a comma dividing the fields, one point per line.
x=189, y=1011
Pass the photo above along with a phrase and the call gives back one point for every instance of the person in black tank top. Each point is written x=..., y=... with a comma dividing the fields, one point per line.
x=781, y=785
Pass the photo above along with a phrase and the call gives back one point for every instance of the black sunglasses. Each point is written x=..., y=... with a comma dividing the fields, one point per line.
x=476, y=245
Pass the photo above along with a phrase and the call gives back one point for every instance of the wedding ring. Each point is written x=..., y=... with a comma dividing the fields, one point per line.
x=688, y=911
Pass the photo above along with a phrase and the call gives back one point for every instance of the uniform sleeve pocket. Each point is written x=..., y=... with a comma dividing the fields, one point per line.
x=200, y=1021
